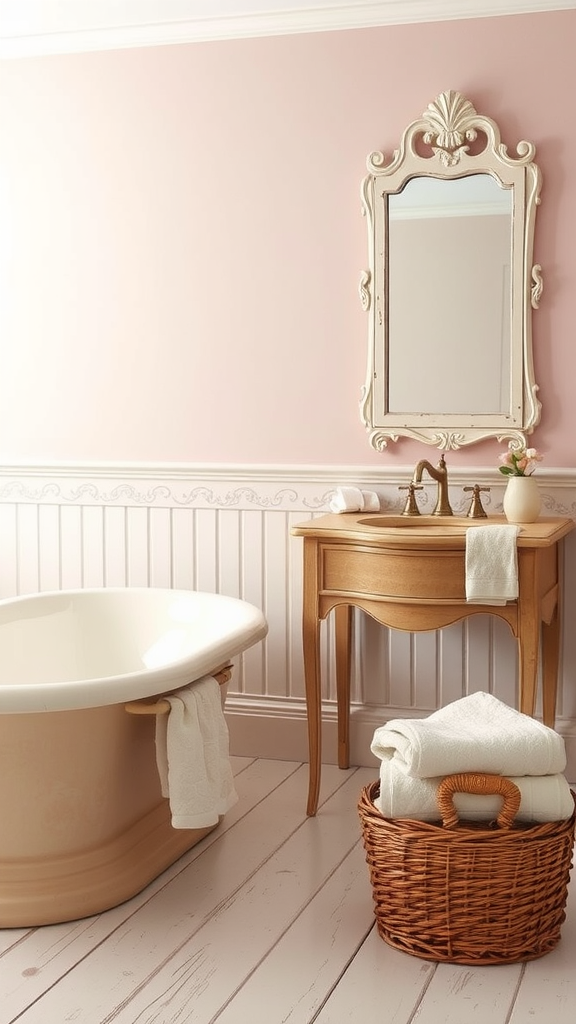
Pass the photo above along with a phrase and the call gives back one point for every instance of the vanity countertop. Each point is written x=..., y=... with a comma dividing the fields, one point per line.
x=427, y=531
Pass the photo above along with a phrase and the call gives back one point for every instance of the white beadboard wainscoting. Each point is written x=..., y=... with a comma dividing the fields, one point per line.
x=227, y=529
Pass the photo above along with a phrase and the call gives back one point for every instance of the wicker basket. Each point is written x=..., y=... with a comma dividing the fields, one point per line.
x=470, y=893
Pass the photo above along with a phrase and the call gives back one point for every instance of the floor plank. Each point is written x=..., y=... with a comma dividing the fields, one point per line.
x=10, y=937
x=317, y=946
x=388, y=985
x=203, y=974
x=139, y=947
x=548, y=990
x=268, y=921
x=459, y=994
x=33, y=965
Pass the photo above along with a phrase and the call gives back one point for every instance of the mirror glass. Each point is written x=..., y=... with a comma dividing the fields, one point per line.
x=450, y=243
x=450, y=287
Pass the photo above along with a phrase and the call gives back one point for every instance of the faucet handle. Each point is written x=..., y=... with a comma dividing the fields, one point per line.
x=476, y=511
x=411, y=506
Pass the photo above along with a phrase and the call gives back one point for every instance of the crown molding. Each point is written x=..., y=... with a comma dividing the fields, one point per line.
x=29, y=29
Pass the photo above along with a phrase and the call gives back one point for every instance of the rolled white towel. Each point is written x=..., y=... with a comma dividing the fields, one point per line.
x=542, y=798
x=477, y=733
x=352, y=499
x=346, y=499
x=370, y=502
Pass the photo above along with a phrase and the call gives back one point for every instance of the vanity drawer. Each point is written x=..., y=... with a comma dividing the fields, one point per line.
x=413, y=575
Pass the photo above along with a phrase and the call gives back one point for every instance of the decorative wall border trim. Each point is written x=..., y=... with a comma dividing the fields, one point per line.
x=249, y=487
x=31, y=29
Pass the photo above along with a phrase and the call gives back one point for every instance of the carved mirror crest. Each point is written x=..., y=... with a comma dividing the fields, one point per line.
x=450, y=285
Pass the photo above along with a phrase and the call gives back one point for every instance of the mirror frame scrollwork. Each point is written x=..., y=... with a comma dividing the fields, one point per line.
x=440, y=144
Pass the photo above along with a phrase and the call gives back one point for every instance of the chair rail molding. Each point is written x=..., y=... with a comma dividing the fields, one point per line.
x=222, y=485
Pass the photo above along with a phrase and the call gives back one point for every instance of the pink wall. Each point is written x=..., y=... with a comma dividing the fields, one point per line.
x=183, y=237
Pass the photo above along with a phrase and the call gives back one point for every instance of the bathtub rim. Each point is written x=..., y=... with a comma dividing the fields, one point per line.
x=250, y=626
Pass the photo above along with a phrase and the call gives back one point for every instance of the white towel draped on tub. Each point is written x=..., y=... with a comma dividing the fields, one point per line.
x=491, y=564
x=192, y=754
x=477, y=733
x=542, y=798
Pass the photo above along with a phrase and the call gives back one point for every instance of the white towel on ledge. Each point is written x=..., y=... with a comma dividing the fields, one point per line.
x=491, y=564
x=476, y=733
x=542, y=798
x=352, y=499
x=192, y=755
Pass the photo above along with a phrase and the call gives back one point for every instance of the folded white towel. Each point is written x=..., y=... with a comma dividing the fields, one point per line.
x=542, y=798
x=491, y=564
x=352, y=499
x=192, y=755
x=476, y=733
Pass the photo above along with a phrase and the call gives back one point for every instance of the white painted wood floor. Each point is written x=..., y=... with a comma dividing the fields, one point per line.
x=268, y=920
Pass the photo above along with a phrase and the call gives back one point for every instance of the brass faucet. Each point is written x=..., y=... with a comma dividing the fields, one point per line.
x=440, y=474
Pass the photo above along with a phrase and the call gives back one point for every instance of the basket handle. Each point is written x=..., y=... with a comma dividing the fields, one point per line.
x=481, y=785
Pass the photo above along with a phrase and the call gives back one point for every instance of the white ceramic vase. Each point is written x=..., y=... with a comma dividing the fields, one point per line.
x=522, y=500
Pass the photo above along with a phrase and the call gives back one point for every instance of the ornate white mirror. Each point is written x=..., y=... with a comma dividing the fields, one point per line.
x=450, y=286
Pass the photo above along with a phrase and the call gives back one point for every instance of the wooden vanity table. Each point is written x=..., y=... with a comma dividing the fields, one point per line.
x=410, y=575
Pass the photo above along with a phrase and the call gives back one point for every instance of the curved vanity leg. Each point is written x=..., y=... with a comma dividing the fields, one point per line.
x=343, y=634
x=528, y=636
x=552, y=617
x=528, y=672
x=528, y=651
x=550, y=666
x=311, y=649
x=314, y=711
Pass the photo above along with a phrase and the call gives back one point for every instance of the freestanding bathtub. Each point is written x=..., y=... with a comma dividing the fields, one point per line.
x=83, y=825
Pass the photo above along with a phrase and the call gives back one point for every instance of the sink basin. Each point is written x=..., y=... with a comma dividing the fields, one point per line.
x=438, y=524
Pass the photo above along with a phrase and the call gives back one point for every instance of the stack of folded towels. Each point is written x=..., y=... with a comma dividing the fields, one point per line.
x=475, y=734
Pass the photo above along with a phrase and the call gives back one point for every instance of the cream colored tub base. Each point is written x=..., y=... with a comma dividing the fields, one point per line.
x=83, y=825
